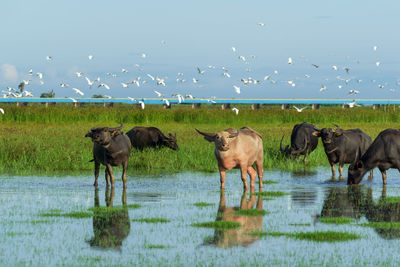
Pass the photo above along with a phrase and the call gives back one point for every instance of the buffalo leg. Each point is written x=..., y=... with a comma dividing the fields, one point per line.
x=305, y=159
x=333, y=171
x=340, y=171
x=96, y=172
x=259, y=166
x=107, y=177
x=110, y=172
x=384, y=176
x=253, y=174
x=243, y=173
x=125, y=168
x=222, y=174
x=371, y=175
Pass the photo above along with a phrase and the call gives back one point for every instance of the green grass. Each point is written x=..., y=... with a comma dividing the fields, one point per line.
x=251, y=212
x=133, y=206
x=390, y=200
x=40, y=140
x=14, y=234
x=270, y=194
x=318, y=236
x=203, y=204
x=151, y=220
x=382, y=225
x=299, y=224
x=152, y=246
x=219, y=225
x=73, y=214
x=336, y=220
x=269, y=182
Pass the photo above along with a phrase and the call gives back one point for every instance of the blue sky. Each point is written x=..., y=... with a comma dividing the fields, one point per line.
x=198, y=34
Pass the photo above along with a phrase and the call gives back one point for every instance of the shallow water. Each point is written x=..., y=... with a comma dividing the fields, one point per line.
x=112, y=237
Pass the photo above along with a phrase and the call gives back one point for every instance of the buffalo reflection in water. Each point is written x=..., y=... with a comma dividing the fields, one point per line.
x=111, y=225
x=240, y=236
x=357, y=201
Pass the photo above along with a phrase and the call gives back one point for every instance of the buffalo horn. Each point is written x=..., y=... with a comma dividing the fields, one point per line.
x=207, y=136
x=301, y=150
x=116, y=128
x=281, y=144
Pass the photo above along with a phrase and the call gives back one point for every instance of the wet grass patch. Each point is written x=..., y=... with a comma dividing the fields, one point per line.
x=152, y=246
x=15, y=234
x=151, y=220
x=133, y=206
x=73, y=214
x=390, y=200
x=336, y=220
x=299, y=224
x=203, y=204
x=219, y=225
x=270, y=194
x=269, y=182
x=251, y=212
x=382, y=225
x=318, y=236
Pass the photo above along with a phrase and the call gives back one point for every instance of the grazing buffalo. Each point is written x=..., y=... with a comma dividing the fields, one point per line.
x=384, y=153
x=238, y=149
x=343, y=146
x=241, y=236
x=111, y=147
x=302, y=140
x=142, y=137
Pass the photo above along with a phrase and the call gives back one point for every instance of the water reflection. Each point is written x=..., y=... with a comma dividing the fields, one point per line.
x=303, y=197
x=239, y=236
x=111, y=225
x=357, y=201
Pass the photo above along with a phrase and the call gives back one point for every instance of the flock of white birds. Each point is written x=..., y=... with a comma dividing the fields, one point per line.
x=155, y=81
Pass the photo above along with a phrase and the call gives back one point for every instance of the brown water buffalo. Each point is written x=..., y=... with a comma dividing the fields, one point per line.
x=142, y=137
x=238, y=149
x=111, y=225
x=111, y=147
x=241, y=236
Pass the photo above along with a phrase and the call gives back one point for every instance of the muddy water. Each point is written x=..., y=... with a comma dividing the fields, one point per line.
x=114, y=236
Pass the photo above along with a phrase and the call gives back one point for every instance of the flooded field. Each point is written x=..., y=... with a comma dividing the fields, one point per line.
x=299, y=219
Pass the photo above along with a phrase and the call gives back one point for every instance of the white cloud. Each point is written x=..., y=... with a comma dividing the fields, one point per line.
x=9, y=73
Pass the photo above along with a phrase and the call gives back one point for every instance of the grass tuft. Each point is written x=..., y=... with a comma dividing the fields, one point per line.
x=328, y=236
x=269, y=182
x=74, y=214
x=203, y=204
x=251, y=212
x=336, y=220
x=270, y=193
x=151, y=220
x=219, y=225
x=382, y=225
x=299, y=224
x=152, y=246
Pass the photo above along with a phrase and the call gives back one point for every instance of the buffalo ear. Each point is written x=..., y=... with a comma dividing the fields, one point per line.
x=359, y=164
x=115, y=133
x=316, y=133
x=338, y=133
x=210, y=137
x=89, y=134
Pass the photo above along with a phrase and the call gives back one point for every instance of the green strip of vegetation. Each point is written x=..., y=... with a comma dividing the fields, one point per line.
x=251, y=212
x=31, y=137
x=219, y=225
x=270, y=193
x=269, y=182
x=152, y=246
x=203, y=204
x=299, y=224
x=336, y=220
x=382, y=225
x=14, y=234
x=328, y=236
x=151, y=220
x=74, y=214
x=390, y=200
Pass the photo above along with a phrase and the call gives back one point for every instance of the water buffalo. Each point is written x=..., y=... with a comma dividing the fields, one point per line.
x=142, y=137
x=343, y=146
x=111, y=225
x=241, y=236
x=238, y=149
x=384, y=153
x=302, y=140
x=111, y=147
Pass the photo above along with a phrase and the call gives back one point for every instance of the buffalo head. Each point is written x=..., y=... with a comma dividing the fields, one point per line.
x=292, y=152
x=103, y=135
x=355, y=173
x=222, y=139
x=327, y=134
x=170, y=141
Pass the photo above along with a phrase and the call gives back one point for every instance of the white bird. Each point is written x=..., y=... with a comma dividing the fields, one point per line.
x=2, y=110
x=179, y=74
x=26, y=82
x=160, y=81
x=124, y=71
x=233, y=49
x=340, y=86
x=237, y=89
x=41, y=82
x=27, y=93
x=77, y=91
x=166, y=101
x=261, y=24
x=90, y=57
x=235, y=110
x=334, y=67
x=30, y=72
x=180, y=98
x=49, y=58
x=131, y=98
x=40, y=75
x=300, y=109
x=104, y=85
x=151, y=77
x=353, y=104
x=307, y=76
x=79, y=74
x=323, y=88
x=142, y=104
x=378, y=63
x=90, y=83
x=124, y=85
x=353, y=92
x=275, y=72
x=189, y=96
x=73, y=99
x=195, y=81
x=266, y=77
x=292, y=83
x=375, y=47
x=200, y=71
x=143, y=55
x=315, y=66
x=158, y=94
x=227, y=74
x=290, y=61
x=64, y=85
x=242, y=58
x=107, y=96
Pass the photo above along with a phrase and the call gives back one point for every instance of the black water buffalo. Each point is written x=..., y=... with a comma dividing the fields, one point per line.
x=142, y=137
x=384, y=153
x=111, y=147
x=302, y=140
x=343, y=146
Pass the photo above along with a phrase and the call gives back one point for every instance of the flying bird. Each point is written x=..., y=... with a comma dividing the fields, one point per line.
x=235, y=110
x=233, y=49
x=323, y=88
x=143, y=55
x=300, y=109
x=375, y=47
x=124, y=71
x=90, y=83
x=315, y=66
x=40, y=75
x=237, y=89
x=124, y=85
x=90, y=57
x=30, y=72
x=200, y=71
x=64, y=84
x=104, y=85
x=49, y=58
x=352, y=92
x=151, y=77
x=334, y=67
x=77, y=91
x=79, y=74
x=141, y=104
x=261, y=24
x=2, y=110
x=158, y=94
x=166, y=101
x=378, y=63
x=290, y=61
x=73, y=99
x=195, y=80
